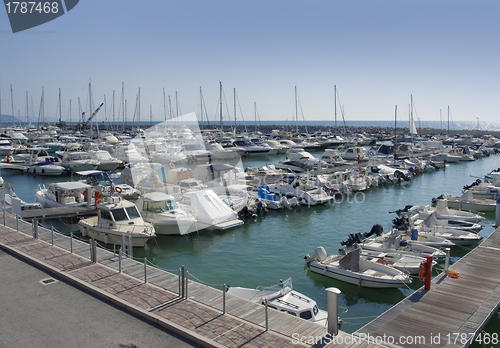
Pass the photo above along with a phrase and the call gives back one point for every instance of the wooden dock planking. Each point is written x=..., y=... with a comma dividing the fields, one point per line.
x=460, y=305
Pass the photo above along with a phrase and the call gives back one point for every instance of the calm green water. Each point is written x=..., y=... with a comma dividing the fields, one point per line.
x=273, y=246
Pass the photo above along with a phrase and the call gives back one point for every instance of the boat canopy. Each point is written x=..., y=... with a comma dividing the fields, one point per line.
x=72, y=185
x=209, y=208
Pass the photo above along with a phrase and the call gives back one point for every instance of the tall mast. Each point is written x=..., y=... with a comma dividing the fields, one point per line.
x=0, y=105
x=395, y=124
x=220, y=97
x=201, y=106
x=60, y=117
x=448, y=120
x=151, y=115
x=12, y=103
x=234, y=101
x=69, y=111
x=296, y=113
x=255, y=115
x=112, y=124
x=139, y=109
x=27, y=109
x=123, y=107
x=164, y=105
x=335, y=105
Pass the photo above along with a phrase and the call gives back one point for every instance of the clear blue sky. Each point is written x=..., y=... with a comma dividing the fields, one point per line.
x=377, y=52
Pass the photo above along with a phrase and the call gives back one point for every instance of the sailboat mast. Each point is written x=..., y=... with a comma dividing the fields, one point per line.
x=448, y=120
x=255, y=115
x=12, y=103
x=296, y=113
x=395, y=124
x=164, y=105
x=335, y=105
x=235, y=116
x=60, y=114
x=220, y=110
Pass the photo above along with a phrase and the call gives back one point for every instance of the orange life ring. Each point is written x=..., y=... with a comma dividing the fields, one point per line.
x=172, y=166
x=118, y=189
x=422, y=270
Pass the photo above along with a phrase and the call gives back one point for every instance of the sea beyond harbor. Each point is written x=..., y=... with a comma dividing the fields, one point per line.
x=272, y=245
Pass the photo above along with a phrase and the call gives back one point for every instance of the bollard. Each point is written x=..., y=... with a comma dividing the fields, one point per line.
x=224, y=299
x=497, y=214
x=187, y=282
x=95, y=251
x=145, y=275
x=428, y=272
x=33, y=224
x=52, y=234
x=71, y=242
x=17, y=223
x=120, y=260
x=267, y=317
x=447, y=261
x=333, y=310
x=130, y=247
x=4, y=217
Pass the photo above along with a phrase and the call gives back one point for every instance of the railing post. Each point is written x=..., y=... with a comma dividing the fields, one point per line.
x=447, y=261
x=130, y=246
x=267, y=317
x=224, y=299
x=428, y=272
x=95, y=251
x=52, y=234
x=180, y=291
x=71, y=242
x=145, y=275
x=187, y=282
x=33, y=224
x=4, y=216
x=91, y=246
x=17, y=223
x=120, y=260
x=182, y=280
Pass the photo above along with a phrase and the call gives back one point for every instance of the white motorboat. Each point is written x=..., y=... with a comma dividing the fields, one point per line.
x=106, y=161
x=195, y=152
x=445, y=157
x=356, y=269
x=78, y=161
x=414, y=235
x=354, y=154
x=443, y=212
x=403, y=262
x=117, y=221
x=50, y=167
x=209, y=210
x=65, y=194
x=333, y=157
x=293, y=186
x=109, y=184
x=468, y=202
x=282, y=297
x=252, y=149
x=395, y=242
x=9, y=194
x=218, y=153
x=161, y=210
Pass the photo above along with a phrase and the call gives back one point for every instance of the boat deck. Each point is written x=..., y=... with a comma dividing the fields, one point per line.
x=154, y=294
x=453, y=311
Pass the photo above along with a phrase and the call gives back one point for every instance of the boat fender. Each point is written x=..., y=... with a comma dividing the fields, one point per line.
x=84, y=231
x=422, y=270
x=118, y=189
x=106, y=239
x=382, y=261
x=172, y=166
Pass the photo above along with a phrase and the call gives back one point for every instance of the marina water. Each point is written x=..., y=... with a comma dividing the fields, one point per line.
x=273, y=245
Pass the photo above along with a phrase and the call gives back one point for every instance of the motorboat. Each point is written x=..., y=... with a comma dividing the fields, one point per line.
x=292, y=185
x=468, y=202
x=333, y=157
x=117, y=222
x=252, y=149
x=195, y=152
x=109, y=184
x=445, y=157
x=49, y=167
x=78, y=161
x=356, y=153
x=161, y=210
x=413, y=235
x=106, y=161
x=355, y=269
x=283, y=298
x=274, y=144
x=443, y=212
x=394, y=241
x=9, y=195
x=209, y=210
x=308, y=161
x=218, y=153
x=403, y=262
x=65, y=194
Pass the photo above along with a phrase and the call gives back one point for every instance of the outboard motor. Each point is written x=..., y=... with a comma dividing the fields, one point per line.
x=377, y=230
x=319, y=254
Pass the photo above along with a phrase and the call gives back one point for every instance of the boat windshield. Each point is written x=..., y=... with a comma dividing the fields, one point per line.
x=160, y=207
x=115, y=178
x=306, y=315
x=132, y=212
x=119, y=214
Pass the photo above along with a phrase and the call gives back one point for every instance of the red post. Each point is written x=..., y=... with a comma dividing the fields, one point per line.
x=97, y=198
x=428, y=272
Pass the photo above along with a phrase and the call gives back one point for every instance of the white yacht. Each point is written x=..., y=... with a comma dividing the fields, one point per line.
x=65, y=194
x=283, y=298
x=78, y=161
x=161, y=210
x=116, y=222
